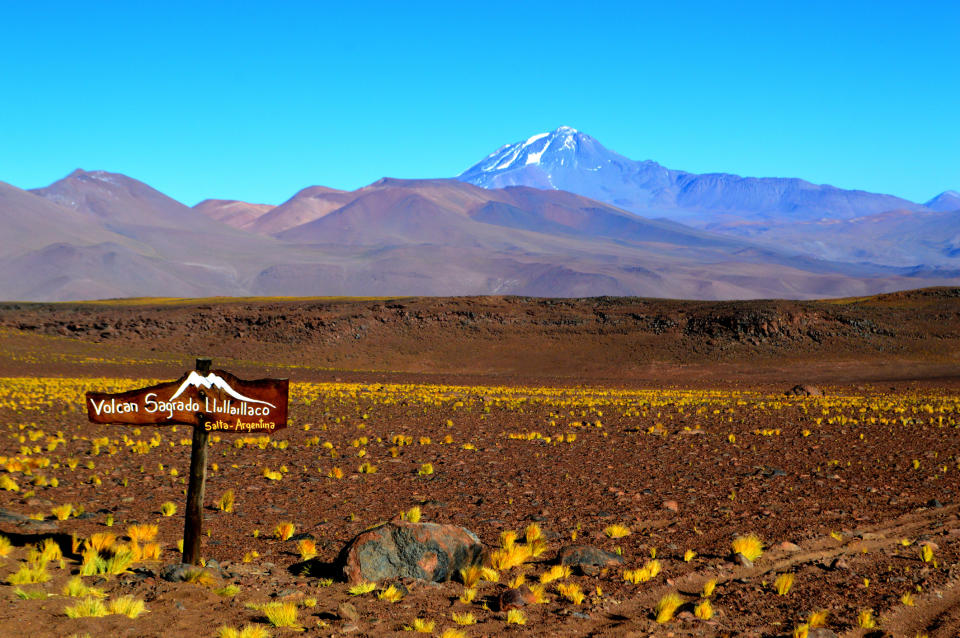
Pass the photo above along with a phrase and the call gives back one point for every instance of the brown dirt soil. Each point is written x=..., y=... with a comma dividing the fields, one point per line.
x=575, y=414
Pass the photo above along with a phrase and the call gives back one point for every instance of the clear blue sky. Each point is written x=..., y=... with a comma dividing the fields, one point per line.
x=254, y=101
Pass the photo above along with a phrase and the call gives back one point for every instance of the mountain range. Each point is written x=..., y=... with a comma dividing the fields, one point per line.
x=818, y=220
x=555, y=215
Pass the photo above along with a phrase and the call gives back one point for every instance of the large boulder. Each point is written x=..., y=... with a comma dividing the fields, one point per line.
x=401, y=549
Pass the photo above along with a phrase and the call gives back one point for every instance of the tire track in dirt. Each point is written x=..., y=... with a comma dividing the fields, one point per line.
x=939, y=615
x=936, y=615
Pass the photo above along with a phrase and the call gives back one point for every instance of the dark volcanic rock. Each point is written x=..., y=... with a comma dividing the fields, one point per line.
x=586, y=556
x=804, y=391
x=401, y=549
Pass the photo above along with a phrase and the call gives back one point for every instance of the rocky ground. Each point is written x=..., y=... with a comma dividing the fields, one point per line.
x=546, y=429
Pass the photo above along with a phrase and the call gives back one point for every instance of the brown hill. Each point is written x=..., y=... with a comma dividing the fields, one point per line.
x=307, y=205
x=393, y=237
x=232, y=212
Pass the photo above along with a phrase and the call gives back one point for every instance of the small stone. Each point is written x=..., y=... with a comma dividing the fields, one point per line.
x=581, y=555
x=839, y=563
x=670, y=505
x=821, y=632
x=787, y=546
x=742, y=560
x=802, y=390
x=348, y=612
x=511, y=599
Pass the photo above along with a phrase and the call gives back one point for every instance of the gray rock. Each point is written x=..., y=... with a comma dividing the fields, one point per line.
x=587, y=556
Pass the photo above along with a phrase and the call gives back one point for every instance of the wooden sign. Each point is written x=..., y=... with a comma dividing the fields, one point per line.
x=217, y=401
x=209, y=400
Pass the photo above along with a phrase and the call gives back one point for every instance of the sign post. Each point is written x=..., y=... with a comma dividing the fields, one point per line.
x=210, y=401
x=193, y=517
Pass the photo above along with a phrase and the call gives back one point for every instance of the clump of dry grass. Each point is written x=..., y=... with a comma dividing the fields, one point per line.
x=749, y=545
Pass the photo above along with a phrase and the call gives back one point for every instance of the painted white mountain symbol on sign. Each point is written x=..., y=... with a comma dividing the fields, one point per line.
x=213, y=381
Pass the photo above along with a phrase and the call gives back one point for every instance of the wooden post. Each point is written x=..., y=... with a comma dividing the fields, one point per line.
x=193, y=519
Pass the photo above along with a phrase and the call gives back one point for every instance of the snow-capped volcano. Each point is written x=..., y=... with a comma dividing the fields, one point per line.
x=212, y=380
x=566, y=159
x=546, y=160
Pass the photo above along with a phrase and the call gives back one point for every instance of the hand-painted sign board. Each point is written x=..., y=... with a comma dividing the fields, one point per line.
x=216, y=401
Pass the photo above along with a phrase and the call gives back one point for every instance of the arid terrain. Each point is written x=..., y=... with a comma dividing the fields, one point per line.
x=659, y=431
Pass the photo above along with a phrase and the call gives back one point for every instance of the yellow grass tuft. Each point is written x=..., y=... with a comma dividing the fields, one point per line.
x=228, y=590
x=557, y=572
x=413, y=514
x=865, y=619
x=307, y=548
x=127, y=606
x=362, y=588
x=689, y=555
x=168, y=509
x=142, y=533
x=226, y=502
x=76, y=588
x=516, y=617
x=5, y=546
x=468, y=595
x=510, y=557
x=47, y=551
x=489, y=574
x=470, y=576
x=199, y=576
x=539, y=594
x=507, y=539
x=783, y=583
x=391, y=594
x=465, y=618
x=517, y=580
x=571, y=591
x=616, y=530
x=87, y=608
x=450, y=632
x=62, y=512
x=533, y=533
x=249, y=631
x=101, y=541
x=150, y=551
x=703, y=611
x=801, y=631
x=708, y=588
x=926, y=553
x=281, y=614
x=750, y=546
x=422, y=625
x=284, y=531
x=29, y=575
x=818, y=618
x=667, y=606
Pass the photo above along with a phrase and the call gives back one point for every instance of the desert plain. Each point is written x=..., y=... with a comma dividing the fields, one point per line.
x=671, y=435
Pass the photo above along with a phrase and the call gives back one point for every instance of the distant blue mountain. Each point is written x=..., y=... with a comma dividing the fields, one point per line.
x=945, y=202
x=566, y=159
